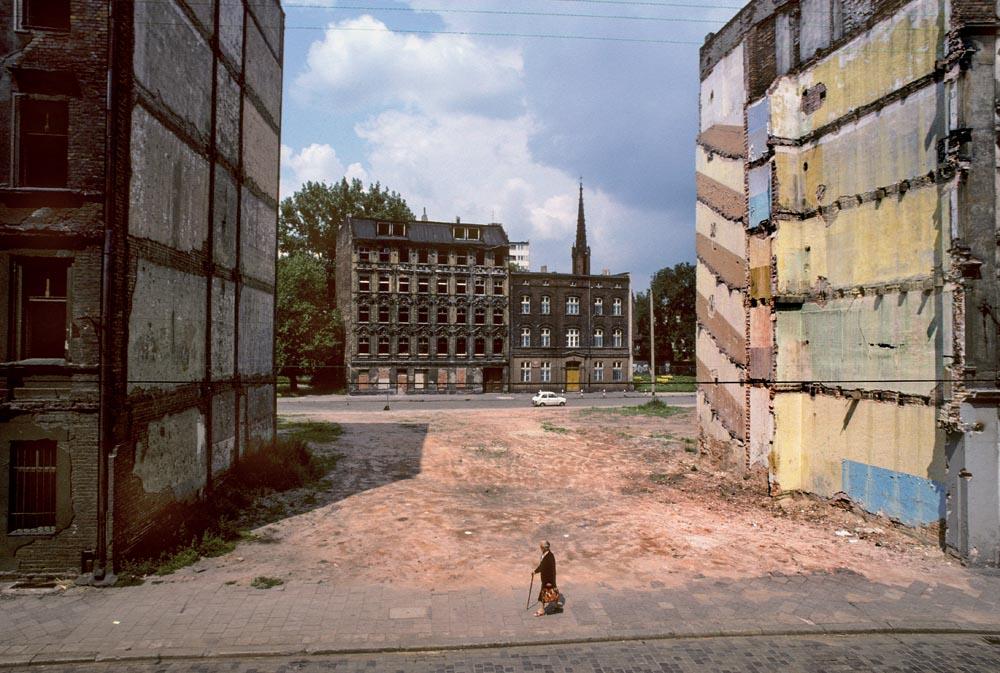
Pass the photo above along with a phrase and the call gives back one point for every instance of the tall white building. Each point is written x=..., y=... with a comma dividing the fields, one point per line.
x=519, y=254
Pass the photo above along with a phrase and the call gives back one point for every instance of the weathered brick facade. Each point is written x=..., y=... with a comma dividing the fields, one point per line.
x=156, y=250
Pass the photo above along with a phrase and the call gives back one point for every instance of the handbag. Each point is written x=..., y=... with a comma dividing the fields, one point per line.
x=550, y=595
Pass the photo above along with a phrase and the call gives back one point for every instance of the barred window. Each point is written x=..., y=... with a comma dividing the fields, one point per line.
x=32, y=497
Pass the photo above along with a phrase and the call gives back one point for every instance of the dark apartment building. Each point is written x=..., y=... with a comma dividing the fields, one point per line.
x=425, y=305
x=571, y=331
x=138, y=212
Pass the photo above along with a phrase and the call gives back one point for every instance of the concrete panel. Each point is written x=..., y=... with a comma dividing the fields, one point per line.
x=227, y=120
x=263, y=72
x=815, y=27
x=271, y=19
x=172, y=456
x=897, y=50
x=725, y=171
x=260, y=151
x=166, y=327
x=256, y=332
x=761, y=426
x=231, y=30
x=759, y=196
x=258, y=237
x=761, y=342
x=725, y=233
x=223, y=328
x=890, y=342
x=169, y=187
x=915, y=501
x=725, y=398
x=227, y=205
x=722, y=92
x=885, y=241
x=842, y=163
x=757, y=129
x=173, y=62
x=720, y=198
x=260, y=415
x=205, y=11
x=760, y=266
x=223, y=431
x=731, y=269
x=816, y=434
x=719, y=300
x=973, y=494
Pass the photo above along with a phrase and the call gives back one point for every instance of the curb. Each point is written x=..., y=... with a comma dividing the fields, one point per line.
x=269, y=652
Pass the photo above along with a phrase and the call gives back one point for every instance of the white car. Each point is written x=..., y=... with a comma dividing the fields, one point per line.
x=547, y=399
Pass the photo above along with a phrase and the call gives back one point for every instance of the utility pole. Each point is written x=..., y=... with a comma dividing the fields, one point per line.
x=652, y=350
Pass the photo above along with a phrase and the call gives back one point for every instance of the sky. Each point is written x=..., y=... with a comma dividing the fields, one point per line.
x=493, y=111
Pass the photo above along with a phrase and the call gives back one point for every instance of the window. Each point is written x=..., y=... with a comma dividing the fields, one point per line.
x=616, y=338
x=442, y=315
x=598, y=338
x=364, y=253
x=525, y=337
x=616, y=306
x=422, y=315
x=498, y=287
x=43, y=147
x=572, y=338
x=422, y=283
x=546, y=337
x=546, y=305
x=467, y=233
x=422, y=346
x=404, y=284
x=45, y=14
x=404, y=315
x=525, y=304
x=480, y=257
x=423, y=256
x=442, y=345
x=479, y=346
x=599, y=306
x=546, y=372
x=385, y=255
x=572, y=306
x=598, y=371
x=489, y=259
x=364, y=283
x=364, y=346
x=461, y=258
x=41, y=307
x=525, y=372
x=498, y=315
x=383, y=344
x=616, y=371
x=499, y=259
x=479, y=316
x=383, y=313
x=498, y=346
x=32, y=497
x=404, y=255
x=460, y=345
x=461, y=286
x=442, y=284
x=382, y=228
x=480, y=286
x=460, y=315
x=364, y=313
x=403, y=347
x=383, y=283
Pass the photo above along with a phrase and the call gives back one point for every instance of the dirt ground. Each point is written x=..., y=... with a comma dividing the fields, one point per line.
x=461, y=498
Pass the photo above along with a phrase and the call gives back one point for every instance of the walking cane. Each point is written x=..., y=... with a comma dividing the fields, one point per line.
x=530, y=587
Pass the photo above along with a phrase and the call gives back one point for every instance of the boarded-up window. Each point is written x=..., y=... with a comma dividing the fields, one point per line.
x=32, y=499
x=43, y=142
x=41, y=307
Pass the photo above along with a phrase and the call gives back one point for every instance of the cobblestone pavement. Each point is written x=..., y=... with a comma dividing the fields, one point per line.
x=789, y=654
x=153, y=621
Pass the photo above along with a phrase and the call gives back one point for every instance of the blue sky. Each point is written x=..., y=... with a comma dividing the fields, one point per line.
x=501, y=128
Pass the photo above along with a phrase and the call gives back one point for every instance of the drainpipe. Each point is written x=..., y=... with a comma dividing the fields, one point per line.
x=104, y=423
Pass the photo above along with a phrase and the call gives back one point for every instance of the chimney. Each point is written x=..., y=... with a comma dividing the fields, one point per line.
x=545, y=268
x=606, y=272
x=458, y=220
x=423, y=218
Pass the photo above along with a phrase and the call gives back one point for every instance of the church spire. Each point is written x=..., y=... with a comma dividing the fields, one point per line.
x=581, y=251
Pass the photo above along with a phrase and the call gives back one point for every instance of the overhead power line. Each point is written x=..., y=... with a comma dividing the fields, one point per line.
x=474, y=33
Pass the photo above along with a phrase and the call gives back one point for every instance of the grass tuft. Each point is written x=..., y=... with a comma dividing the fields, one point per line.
x=265, y=582
x=549, y=427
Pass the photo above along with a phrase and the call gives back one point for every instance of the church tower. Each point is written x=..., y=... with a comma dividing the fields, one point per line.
x=581, y=251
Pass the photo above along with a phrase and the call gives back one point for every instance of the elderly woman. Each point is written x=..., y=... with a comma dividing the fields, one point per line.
x=547, y=569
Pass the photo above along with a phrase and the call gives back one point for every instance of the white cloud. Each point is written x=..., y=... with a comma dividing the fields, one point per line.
x=316, y=163
x=360, y=62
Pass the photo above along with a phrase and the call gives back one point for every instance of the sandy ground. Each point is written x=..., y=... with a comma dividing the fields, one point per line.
x=461, y=498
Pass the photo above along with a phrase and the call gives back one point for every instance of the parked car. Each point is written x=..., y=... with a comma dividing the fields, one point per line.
x=547, y=399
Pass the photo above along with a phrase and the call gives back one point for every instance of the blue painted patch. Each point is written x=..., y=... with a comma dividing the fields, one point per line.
x=914, y=500
x=759, y=183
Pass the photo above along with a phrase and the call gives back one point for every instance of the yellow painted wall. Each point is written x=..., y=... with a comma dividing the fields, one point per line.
x=728, y=234
x=721, y=169
x=898, y=50
x=880, y=149
x=815, y=434
x=895, y=239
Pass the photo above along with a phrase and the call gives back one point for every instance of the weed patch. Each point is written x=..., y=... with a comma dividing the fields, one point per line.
x=651, y=408
x=549, y=427
x=310, y=431
x=265, y=582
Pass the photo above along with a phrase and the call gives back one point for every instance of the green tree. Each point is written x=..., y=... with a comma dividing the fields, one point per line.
x=307, y=225
x=310, y=331
x=673, y=291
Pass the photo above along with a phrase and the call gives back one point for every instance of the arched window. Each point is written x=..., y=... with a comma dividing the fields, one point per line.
x=599, y=338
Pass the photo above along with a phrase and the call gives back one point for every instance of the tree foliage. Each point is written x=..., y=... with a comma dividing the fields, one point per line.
x=310, y=330
x=673, y=291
